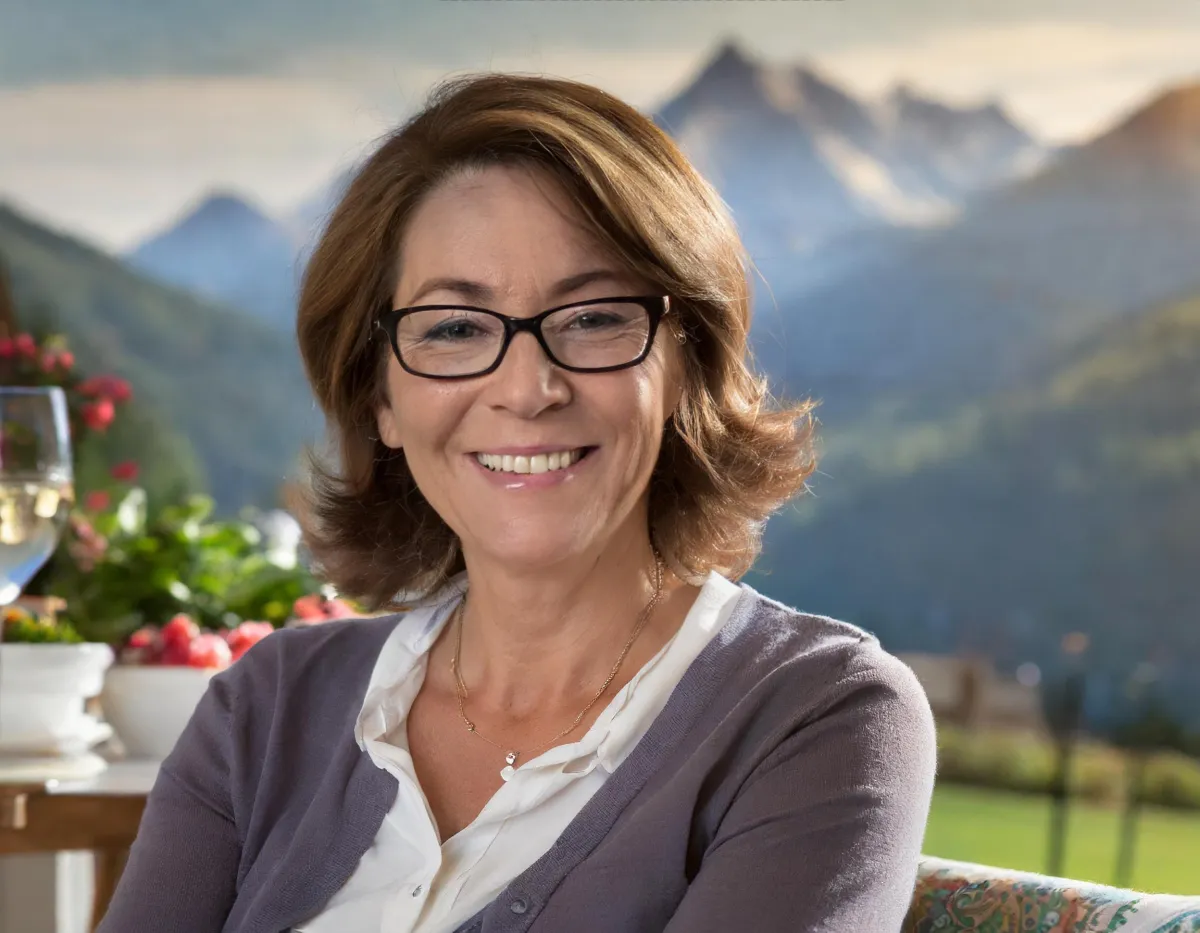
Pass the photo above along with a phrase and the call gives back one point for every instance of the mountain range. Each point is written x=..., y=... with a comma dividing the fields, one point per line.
x=799, y=160
x=1024, y=271
x=1068, y=503
x=1011, y=411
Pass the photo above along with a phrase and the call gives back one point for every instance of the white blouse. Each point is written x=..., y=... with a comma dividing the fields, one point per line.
x=409, y=880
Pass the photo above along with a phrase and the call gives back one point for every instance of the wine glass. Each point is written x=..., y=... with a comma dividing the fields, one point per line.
x=36, y=482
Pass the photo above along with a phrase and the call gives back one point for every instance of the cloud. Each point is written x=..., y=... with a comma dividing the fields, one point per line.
x=116, y=160
x=113, y=161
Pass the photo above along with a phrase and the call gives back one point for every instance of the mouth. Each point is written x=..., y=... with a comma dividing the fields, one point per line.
x=547, y=462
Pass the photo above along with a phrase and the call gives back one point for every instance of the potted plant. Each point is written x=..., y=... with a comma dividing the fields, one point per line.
x=47, y=673
x=47, y=669
x=163, y=671
x=180, y=595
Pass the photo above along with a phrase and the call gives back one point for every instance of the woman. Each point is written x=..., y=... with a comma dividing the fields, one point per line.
x=526, y=323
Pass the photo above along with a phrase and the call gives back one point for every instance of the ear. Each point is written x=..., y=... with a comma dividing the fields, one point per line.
x=385, y=424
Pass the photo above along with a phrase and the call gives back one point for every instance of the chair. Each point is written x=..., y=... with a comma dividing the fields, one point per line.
x=951, y=896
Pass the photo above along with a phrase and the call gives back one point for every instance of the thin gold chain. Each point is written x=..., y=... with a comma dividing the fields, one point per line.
x=512, y=754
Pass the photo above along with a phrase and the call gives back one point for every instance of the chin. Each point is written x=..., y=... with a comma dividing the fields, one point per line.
x=533, y=550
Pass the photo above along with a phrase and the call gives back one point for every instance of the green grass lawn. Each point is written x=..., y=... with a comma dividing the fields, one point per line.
x=1011, y=831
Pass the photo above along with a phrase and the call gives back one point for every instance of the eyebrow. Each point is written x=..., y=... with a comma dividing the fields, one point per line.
x=480, y=293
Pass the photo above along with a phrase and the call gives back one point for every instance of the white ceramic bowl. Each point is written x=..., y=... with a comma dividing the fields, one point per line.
x=42, y=693
x=150, y=706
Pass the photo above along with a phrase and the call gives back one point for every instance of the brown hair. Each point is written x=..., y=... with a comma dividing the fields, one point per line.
x=729, y=455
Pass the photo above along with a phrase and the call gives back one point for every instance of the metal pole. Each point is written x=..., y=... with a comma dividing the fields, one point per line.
x=1136, y=772
x=1060, y=790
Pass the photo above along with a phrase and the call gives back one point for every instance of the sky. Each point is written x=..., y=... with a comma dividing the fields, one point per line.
x=118, y=115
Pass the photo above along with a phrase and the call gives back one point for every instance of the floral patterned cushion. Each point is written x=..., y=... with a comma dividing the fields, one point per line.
x=952, y=896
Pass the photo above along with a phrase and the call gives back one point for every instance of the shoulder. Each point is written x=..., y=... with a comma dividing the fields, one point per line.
x=329, y=659
x=814, y=666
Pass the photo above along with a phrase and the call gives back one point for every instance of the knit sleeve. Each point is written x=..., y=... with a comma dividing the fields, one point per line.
x=182, y=869
x=826, y=835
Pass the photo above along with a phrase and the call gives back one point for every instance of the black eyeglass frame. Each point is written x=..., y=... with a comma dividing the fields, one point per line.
x=656, y=307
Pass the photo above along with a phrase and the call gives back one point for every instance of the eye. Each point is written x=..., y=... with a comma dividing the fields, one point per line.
x=591, y=319
x=454, y=329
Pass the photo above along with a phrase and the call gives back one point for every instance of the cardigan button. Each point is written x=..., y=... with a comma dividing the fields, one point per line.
x=519, y=906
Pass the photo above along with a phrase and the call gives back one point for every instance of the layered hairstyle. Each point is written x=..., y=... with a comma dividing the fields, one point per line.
x=730, y=454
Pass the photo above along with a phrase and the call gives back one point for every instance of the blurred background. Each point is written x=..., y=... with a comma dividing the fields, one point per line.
x=975, y=236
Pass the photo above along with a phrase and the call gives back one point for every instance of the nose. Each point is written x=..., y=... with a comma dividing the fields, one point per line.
x=527, y=382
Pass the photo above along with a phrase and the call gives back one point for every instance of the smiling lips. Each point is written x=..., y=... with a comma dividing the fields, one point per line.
x=536, y=463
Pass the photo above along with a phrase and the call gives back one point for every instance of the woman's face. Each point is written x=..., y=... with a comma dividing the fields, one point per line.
x=507, y=239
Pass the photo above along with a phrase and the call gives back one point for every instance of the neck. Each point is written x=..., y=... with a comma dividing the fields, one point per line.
x=537, y=640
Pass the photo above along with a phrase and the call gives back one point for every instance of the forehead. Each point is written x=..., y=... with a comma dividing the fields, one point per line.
x=499, y=224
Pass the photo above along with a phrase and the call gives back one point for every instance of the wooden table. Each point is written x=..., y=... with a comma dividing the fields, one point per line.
x=101, y=815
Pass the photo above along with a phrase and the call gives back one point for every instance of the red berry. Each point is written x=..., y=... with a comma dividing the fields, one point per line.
x=309, y=608
x=336, y=609
x=175, y=653
x=246, y=636
x=209, y=650
x=145, y=637
x=180, y=630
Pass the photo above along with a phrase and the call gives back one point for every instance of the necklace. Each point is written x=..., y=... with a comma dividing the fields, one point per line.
x=510, y=754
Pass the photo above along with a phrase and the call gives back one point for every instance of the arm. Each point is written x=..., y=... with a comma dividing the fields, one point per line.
x=826, y=834
x=182, y=868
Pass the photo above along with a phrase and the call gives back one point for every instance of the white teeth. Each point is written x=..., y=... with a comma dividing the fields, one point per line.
x=538, y=463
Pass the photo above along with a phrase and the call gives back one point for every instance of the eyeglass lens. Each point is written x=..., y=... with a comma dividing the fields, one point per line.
x=456, y=341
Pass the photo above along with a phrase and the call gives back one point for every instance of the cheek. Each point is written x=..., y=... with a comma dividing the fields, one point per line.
x=423, y=411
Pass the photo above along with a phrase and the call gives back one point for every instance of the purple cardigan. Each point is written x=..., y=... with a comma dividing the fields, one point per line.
x=784, y=788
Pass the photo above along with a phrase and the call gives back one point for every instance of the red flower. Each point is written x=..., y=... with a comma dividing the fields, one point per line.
x=110, y=387
x=98, y=415
x=49, y=361
x=96, y=501
x=66, y=359
x=118, y=389
x=25, y=345
x=7, y=348
x=89, y=546
x=126, y=471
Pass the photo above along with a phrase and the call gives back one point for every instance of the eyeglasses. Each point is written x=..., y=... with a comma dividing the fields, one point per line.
x=455, y=342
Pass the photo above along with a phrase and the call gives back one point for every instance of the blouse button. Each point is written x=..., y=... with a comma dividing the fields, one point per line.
x=519, y=906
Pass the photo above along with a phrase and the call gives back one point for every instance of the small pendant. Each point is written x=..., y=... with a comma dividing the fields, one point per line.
x=508, y=770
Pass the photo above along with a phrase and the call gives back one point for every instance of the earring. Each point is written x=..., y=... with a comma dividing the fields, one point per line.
x=680, y=337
